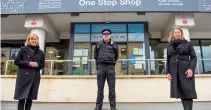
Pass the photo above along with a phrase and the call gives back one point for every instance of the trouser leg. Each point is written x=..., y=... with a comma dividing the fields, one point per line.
x=100, y=84
x=111, y=84
x=21, y=104
x=28, y=104
x=187, y=104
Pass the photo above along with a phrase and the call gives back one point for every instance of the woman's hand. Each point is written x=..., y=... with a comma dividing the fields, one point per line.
x=169, y=77
x=33, y=64
x=189, y=73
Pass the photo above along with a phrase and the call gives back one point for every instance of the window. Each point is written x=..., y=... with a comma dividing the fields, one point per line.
x=82, y=33
x=57, y=51
x=158, y=50
x=3, y=54
x=81, y=52
x=2, y=68
x=13, y=53
x=206, y=52
x=197, y=49
x=135, y=32
x=136, y=51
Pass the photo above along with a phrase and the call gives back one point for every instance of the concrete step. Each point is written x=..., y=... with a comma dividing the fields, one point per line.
x=120, y=106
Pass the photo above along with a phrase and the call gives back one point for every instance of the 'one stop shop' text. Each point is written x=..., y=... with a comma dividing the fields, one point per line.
x=109, y=2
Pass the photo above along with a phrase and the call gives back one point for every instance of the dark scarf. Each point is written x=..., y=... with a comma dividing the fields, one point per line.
x=175, y=43
x=34, y=49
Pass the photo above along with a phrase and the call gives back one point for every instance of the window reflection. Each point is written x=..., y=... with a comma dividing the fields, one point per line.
x=158, y=50
x=14, y=53
x=82, y=33
x=57, y=51
x=206, y=52
x=197, y=49
x=136, y=32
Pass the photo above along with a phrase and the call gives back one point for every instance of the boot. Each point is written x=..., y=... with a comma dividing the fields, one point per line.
x=187, y=104
x=113, y=108
x=98, y=108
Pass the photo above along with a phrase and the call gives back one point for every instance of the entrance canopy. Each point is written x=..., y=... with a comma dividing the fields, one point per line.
x=71, y=6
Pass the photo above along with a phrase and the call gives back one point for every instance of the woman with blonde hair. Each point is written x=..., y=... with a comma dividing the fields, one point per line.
x=181, y=63
x=30, y=60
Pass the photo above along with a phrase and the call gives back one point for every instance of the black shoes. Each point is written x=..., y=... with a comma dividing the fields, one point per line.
x=98, y=108
x=113, y=109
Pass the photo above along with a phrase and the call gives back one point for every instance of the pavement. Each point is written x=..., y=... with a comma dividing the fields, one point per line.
x=120, y=106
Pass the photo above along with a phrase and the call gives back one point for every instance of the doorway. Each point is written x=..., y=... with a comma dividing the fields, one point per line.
x=130, y=38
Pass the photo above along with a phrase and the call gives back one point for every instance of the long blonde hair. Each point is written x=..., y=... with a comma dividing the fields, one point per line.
x=171, y=35
x=27, y=43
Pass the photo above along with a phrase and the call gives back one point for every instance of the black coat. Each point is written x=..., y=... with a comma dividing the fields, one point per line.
x=106, y=52
x=28, y=78
x=178, y=62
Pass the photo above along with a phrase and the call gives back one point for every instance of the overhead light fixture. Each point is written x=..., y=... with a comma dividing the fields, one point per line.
x=50, y=51
x=58, y=56
x=210, y=45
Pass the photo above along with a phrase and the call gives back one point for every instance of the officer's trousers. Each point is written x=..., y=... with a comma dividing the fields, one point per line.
x=106, y=71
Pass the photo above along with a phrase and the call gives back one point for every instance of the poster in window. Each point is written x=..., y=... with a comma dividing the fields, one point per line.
x=84, y=60
x=132, y=59
x=85, y=52
x=135, y=51
x=138, y=66
x=139, y=60
x=78, y=52
x=140, y=51
x=76, y=61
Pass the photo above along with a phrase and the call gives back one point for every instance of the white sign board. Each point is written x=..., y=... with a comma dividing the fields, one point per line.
x=115, y=37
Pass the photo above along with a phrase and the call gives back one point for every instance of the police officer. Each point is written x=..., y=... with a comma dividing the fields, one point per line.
x=106, y=54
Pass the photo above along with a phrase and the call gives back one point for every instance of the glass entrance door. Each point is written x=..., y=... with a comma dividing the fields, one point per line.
x=130, y=38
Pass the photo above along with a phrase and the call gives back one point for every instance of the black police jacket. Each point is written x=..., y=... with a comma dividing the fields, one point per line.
x=106, y=52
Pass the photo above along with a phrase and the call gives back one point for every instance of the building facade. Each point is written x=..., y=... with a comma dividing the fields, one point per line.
x=139, y=27
x=69, y=29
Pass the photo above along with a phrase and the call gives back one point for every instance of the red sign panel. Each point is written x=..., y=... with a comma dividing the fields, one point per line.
x=184, y=20
x=33, y=23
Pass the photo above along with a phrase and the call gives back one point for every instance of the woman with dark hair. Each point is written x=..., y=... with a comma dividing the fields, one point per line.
x=181, y=63
x=30, y=60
